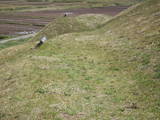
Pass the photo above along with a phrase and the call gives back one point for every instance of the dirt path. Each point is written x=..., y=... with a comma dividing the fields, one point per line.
x=17, y=38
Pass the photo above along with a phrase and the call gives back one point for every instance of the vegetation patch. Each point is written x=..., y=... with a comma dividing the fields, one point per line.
x=3, y=37
x=83, y=73
x=12, y=43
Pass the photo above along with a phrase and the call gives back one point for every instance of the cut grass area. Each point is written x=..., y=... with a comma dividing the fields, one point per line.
x=12, y=43
x=109, y=73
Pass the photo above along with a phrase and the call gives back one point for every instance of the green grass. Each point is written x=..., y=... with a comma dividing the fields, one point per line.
x=111, y=72
x=12, y=43
x=3, y=37
x=72, y=24
x=17, y=8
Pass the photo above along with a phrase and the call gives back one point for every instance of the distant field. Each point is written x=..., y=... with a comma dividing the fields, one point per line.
x=108, y=1
x=34, y=5
x=20, y=18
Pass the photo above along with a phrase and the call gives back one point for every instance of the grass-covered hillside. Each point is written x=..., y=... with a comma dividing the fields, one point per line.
x=63, y=25
x=109, y=73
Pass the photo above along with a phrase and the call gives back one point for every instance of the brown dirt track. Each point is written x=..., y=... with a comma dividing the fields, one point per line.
x=13, y=22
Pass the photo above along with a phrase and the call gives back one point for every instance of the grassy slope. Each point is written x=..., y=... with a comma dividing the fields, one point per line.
x=110, y=73
x=72, y=24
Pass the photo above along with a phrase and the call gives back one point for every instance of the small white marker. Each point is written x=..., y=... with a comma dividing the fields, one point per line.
x=43, y=39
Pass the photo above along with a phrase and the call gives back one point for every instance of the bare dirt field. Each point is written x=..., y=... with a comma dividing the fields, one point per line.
x=25, y=22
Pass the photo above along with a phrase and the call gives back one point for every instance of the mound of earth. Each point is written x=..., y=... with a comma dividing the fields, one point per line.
x=72, y=24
